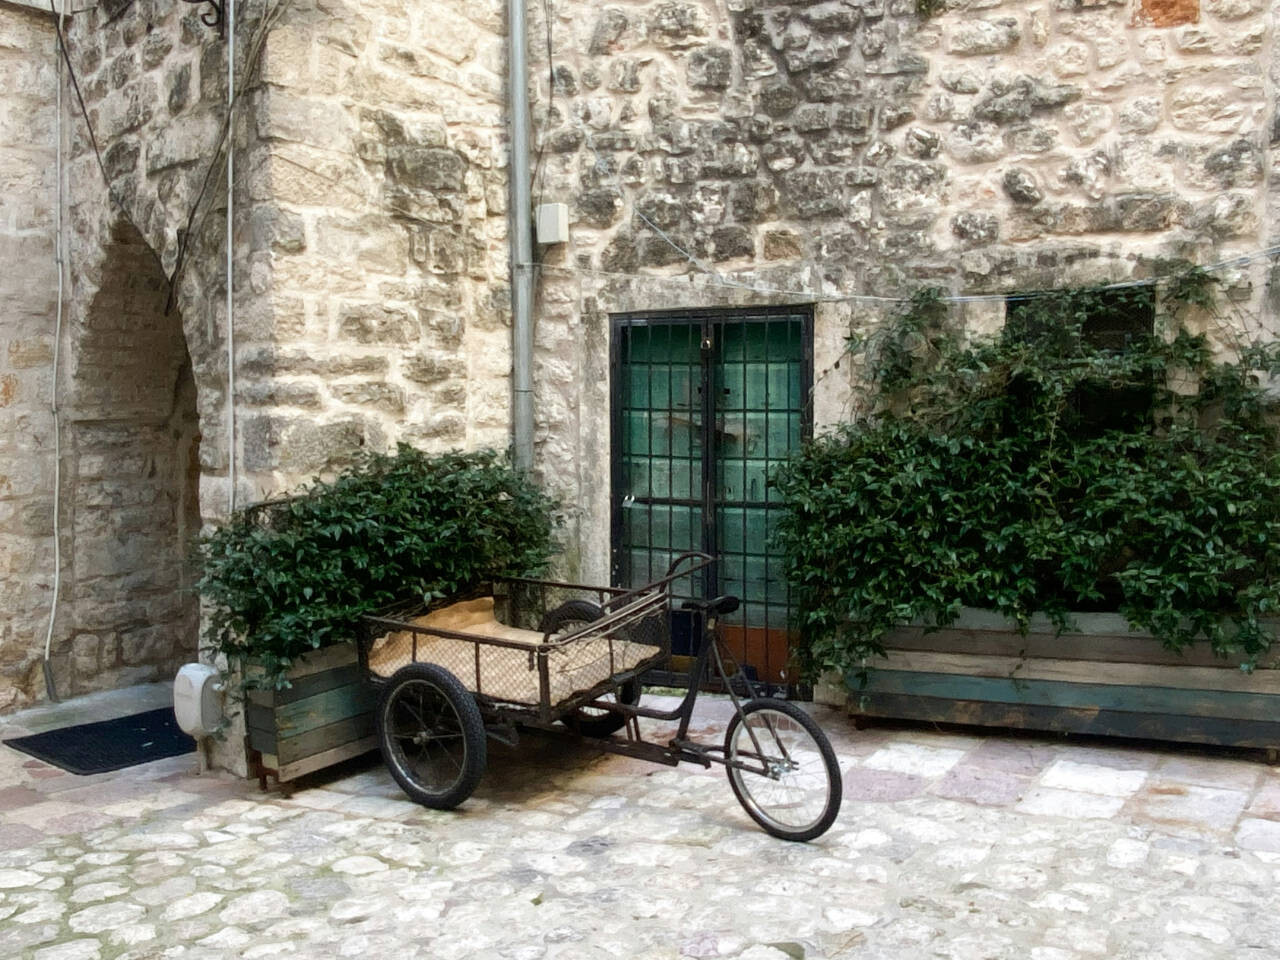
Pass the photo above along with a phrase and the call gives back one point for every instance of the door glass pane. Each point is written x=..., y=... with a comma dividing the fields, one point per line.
x=758, y=377
x=659, y=450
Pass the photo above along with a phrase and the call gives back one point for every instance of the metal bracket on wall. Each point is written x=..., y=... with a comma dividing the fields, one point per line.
x=215, y=17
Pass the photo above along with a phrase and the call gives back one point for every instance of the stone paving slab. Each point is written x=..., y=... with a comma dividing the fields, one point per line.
x=948, y=845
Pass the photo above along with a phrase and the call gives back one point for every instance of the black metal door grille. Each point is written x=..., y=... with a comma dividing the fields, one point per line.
x=705, y=404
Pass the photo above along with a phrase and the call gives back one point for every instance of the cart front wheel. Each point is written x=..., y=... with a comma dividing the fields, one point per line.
x=432, y=735
x=788, y=781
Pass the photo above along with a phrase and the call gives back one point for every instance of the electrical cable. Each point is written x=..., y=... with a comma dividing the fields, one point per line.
x=539, y=172
x=252, y=59
x=184, y=236
x=603, y=168
x=93, y=139
x=59, y=258
x=810, y=296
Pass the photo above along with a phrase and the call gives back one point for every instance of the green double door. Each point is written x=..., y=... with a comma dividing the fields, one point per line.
x=704, y=407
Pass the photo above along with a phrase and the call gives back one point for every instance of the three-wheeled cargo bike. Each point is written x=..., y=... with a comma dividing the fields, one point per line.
x=567, y=659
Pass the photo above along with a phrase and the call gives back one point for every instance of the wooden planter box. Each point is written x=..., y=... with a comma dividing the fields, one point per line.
x=1100, y=679
x=325, y=717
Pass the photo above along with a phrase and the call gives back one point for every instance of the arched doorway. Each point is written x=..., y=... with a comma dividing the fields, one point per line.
x=131, y=463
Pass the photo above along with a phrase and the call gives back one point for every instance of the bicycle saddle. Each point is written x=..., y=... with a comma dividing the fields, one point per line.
x=719, y=606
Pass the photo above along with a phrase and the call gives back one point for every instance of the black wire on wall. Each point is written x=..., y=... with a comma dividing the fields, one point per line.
x=253, y=60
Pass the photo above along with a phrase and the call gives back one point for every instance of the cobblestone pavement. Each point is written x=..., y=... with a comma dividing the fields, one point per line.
x=948, y=845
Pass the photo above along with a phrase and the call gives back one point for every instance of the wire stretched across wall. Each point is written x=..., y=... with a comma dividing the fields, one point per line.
x=810, y=296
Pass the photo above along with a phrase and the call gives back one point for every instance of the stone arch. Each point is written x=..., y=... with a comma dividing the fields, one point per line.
x=131, y=470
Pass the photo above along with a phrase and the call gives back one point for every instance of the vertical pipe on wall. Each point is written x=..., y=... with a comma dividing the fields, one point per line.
x=521, y=241
x=231, y=342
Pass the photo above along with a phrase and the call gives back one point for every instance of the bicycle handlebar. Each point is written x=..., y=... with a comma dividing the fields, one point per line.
x=690, y=555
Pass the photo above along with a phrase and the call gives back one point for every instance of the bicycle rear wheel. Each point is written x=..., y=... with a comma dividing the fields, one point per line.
x=793, y=789
x=590, y=721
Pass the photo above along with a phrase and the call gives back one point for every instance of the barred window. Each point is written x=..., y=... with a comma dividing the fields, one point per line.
x=1114, y=321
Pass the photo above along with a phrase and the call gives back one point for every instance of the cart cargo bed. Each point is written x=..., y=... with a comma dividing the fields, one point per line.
x=501, y=662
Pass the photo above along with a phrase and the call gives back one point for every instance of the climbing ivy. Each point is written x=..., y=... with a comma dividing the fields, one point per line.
x=1045, y=469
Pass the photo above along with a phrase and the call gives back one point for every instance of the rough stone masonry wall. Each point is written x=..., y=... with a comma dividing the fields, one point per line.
x=820, y=150
x=369, y=276
x=126, y=386
x=374, y=303
x=27, y=297
x=379, y=226
x=130, y=442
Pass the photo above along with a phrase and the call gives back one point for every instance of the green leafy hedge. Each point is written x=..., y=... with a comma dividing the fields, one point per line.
x=287, y=577
x=1036, y=472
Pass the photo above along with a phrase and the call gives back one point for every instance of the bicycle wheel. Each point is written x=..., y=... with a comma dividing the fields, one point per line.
x=799, y=795
x=590, y=721
x=431, y=735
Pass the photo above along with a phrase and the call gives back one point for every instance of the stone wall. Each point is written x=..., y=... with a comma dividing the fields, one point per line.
x=130, y=499
x=714, y=153
x=126, y=387
x=369, y=273
x=1272, y=132
x=379, y=228
x=27, y=298
x=370, y=237
x=748, y=151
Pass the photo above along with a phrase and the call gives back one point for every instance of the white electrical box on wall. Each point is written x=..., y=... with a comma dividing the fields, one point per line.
x=197, y=700
x=552, y=222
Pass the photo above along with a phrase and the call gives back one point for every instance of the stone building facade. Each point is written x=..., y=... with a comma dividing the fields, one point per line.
x=369, y=282
x=825, y=152
x=714, y=153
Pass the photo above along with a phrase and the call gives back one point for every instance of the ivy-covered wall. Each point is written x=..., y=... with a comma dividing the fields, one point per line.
x=728, y=152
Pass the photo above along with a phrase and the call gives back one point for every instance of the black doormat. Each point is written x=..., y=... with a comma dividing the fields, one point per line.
x=109, y=744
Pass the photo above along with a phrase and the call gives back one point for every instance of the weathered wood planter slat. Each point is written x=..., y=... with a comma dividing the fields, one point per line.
x=1102, y=679
x=325, y=717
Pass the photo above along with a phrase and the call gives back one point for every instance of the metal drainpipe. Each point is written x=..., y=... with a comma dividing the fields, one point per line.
x=232, y=480
x=521, y=242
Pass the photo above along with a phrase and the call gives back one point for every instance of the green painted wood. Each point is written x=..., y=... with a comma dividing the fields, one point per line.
x=260, y=717
x=1127, y=699
x=323, y=708
x=322, y=739
x=318, y=761
x=757, y=383
x=1104, y=648
x=317, y=661
x=308, y=686
x=753, y=375
x=260, y=727
x=1147, y=726
x=324, y=717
